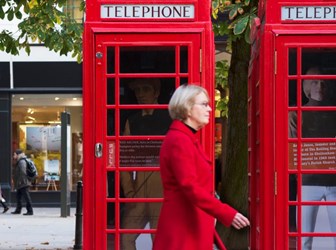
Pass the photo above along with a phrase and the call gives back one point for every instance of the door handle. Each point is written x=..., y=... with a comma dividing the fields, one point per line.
x=98, y=150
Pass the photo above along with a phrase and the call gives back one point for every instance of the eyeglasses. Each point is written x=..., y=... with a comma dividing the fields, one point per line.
x=203, y=104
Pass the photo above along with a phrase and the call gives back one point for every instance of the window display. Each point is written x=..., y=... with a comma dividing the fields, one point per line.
x=36, y=128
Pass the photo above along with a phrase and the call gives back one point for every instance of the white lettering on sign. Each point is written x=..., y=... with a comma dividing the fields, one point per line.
x=308, y=13
x=115, y=11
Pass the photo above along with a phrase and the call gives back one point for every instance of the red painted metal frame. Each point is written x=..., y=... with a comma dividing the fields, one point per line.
x=268, y=118
x=283, y=45
x=97, y=36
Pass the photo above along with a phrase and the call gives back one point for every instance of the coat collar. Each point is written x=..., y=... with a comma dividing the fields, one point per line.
x=180, y=126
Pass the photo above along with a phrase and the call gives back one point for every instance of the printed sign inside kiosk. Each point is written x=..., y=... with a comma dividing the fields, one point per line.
x=308, y=13
x=114, y=11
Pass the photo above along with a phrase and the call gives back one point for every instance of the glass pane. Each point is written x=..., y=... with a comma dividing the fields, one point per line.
x=318, y=219
x=110, y=89
x=110, y=193
x=110, y=242
x=314, y=155
x=140, y=184
x=140, y=215
x=184, y=59
x=110, y=216
x=292, y=197
x=292, y=243
x=317, y=92
x=292, y=95
x=292, y=124
x=319, y=187
x=317, y=124
x=322, y=57
x=110, y=60
x=110, y=122
x=146, y=90
x=318, y=155
x=292, y=61
x=137, y=241
x=292, y=219
x=319, y=243
x=145, y=122
x=292, y=155
x=147, y=59
x=183, y=80
x=139, y=153
x=110, y=185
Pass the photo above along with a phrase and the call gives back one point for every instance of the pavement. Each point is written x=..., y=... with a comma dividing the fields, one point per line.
x=44, y=230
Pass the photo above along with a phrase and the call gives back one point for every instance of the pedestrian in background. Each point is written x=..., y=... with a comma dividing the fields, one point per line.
x=3, y=202
x=21, y=183
x=189, y=209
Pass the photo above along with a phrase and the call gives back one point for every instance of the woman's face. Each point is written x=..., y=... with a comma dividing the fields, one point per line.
x=199, y=114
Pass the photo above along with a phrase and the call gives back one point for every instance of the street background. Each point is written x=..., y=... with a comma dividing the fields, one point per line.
x=46, y=229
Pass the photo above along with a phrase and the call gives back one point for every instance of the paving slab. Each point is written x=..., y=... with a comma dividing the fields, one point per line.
x=44, y=230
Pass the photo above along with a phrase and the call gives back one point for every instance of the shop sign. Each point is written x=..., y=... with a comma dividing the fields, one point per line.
x=308, y=13
x=151, y=11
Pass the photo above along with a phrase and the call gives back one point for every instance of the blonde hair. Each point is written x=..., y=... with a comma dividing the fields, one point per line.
x=183, y=99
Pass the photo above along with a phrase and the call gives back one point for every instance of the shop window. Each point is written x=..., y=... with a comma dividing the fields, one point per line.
x=36, y=128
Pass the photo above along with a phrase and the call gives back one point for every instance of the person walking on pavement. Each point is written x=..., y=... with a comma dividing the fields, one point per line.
x=21, y=183
x=189, y=209
x=3, y=202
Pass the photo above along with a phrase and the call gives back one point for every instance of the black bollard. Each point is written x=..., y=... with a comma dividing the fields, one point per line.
x=79, y=217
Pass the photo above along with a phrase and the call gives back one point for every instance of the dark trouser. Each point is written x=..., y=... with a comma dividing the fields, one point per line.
x=23, y=192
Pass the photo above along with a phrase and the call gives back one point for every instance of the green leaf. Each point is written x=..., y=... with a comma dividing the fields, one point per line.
x=2, y=13
x=247, y=34
x=10, y=15
x=41, y=35
x=240, y=25
x=18, y=15
x=233, y=13
x=27, y=49
x=215, y=4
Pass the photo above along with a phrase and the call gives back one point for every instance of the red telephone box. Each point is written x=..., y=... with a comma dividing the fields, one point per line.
x=292, y=115
x=135, y=55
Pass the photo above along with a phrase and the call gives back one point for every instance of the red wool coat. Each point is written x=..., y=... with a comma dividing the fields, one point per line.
x=187, y=218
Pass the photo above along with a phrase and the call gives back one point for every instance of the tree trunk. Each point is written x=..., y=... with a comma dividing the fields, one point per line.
x=234, y=176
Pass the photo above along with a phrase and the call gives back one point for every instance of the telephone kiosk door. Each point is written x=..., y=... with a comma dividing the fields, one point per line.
x=135, y=76
x=305, y=96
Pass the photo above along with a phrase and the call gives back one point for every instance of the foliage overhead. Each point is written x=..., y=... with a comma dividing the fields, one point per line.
x=41, y=21
x=222, y=72
x=238, y=17
x=233, y=19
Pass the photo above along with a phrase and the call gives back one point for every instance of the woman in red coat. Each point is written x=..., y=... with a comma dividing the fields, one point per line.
x=187, y=218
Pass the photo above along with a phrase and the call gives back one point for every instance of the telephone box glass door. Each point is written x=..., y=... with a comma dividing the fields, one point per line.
x=305, y=96
x=136, y=74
